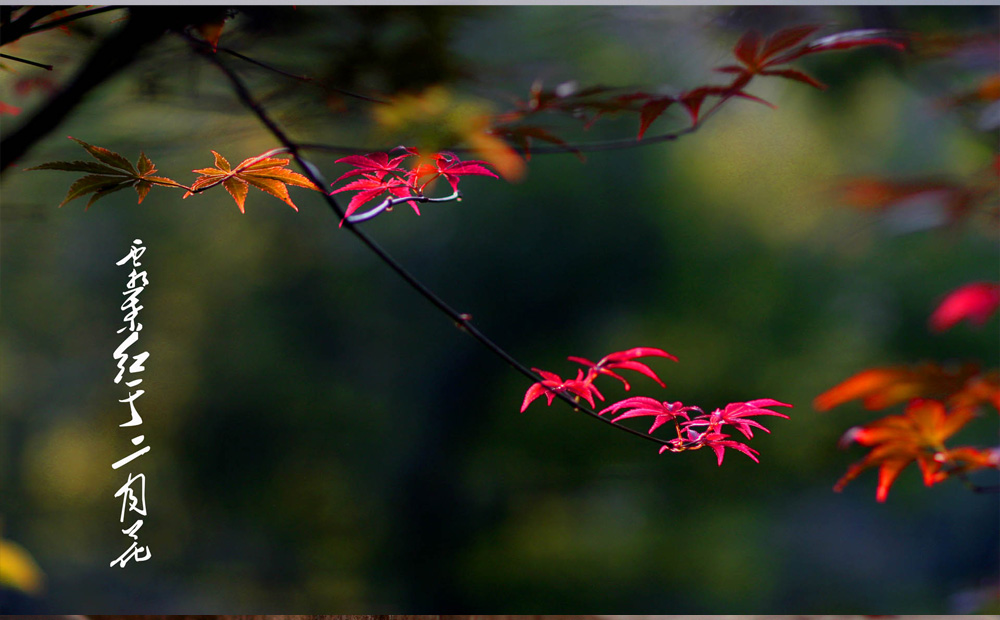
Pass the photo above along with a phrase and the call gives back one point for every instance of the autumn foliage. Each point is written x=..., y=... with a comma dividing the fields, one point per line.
x=917, y=436
x=939, y=400
x=693, y=432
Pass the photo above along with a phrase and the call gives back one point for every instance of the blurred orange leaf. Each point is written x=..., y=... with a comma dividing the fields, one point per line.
x=918, y=435
x=878, y=388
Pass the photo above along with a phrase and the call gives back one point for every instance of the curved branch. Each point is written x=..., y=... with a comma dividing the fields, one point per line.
x=462, y=321
x=391, y=202
x=55, y=23
x=26, y=61
x=559, y=149
x=301, y=78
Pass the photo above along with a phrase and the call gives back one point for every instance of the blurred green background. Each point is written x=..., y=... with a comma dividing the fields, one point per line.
x=324, y=441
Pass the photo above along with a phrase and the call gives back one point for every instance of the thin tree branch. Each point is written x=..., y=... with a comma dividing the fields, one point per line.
x=12, y=31
x=55, y=23
x=301, y=78
x=144, y=26
x=462, y=321
x=558, y=149
x=26, y=61
x=388, y=203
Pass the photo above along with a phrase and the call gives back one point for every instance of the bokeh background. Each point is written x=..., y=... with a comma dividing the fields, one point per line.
x=324, y=440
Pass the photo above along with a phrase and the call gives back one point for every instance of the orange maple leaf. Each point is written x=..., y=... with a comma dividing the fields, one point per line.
x=918, y=435
x=268, y=174
x=879, y=388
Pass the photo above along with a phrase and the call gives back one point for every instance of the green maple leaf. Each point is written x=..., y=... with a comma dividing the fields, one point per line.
x=110, y=173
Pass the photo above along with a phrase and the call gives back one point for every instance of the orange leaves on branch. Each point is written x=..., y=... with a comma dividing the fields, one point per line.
x=940, y=402
x=918, y=435
x=110, y=173
x=268, y=174
x=878, y=388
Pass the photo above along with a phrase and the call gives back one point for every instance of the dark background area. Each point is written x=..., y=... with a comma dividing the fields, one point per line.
x=324, y=440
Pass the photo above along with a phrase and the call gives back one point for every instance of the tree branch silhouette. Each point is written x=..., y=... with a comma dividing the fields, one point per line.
x=145, y=25
x=462, y=320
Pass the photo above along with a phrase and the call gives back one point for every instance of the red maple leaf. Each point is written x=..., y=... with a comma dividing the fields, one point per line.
x=448, y=166
x=718, y=442
x=692, y=101
x=624, y=360
x=644, y=406
x=552, y=384
x=371, y=163
x=736, y=414
x=372, y=185
x=917, y=435
x=975, y=302
x=761, y=57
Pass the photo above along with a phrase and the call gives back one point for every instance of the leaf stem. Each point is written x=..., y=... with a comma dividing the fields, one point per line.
x=463, y=321
x=391, y=202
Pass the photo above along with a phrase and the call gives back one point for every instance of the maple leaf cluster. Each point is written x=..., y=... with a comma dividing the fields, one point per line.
x=382, y=174
x=704, y=430
x=940, y=401
x=112, y=172
x=917, y=436
x=755, y=55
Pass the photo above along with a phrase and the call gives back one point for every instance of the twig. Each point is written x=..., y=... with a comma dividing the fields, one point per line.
x=55, y=23
x=462, y=321
x=301, y=78
x=975, y=488
x=144, y=26
x=391, y=202
x=26, y=61
x=581, y=147
x=12, y=31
